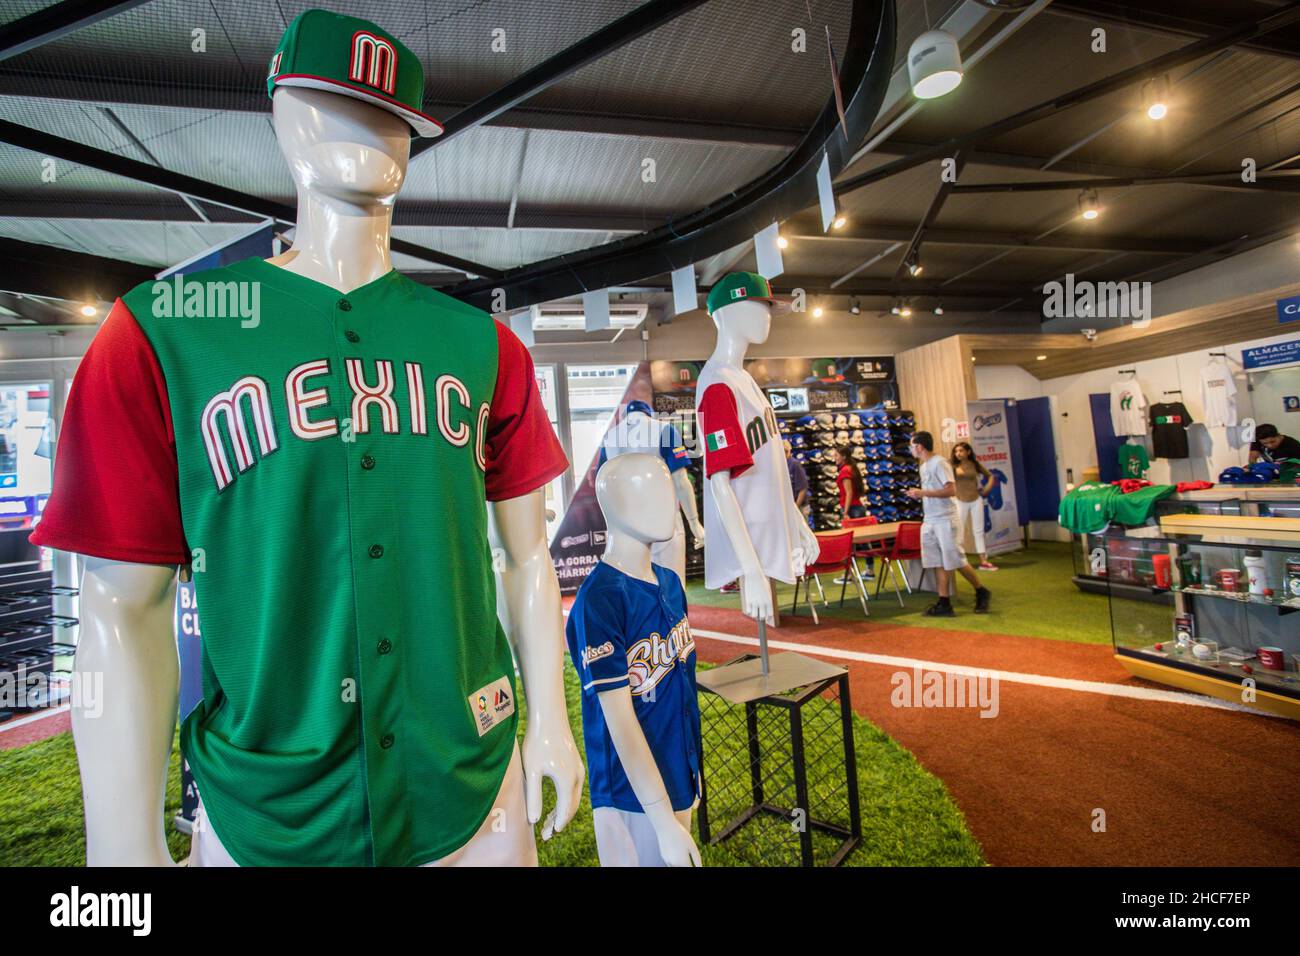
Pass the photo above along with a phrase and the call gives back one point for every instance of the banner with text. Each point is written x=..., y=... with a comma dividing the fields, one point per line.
x=991, y=439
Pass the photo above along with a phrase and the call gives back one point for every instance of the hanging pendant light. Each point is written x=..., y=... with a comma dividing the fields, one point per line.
x=934, y=64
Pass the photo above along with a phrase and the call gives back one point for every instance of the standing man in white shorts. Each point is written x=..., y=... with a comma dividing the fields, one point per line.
x=940, y=534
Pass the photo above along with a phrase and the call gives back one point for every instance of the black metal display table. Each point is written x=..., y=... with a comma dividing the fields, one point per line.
x=782, y=775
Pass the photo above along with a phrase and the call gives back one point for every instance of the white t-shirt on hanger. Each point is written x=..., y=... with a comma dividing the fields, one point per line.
x=1219, y=395
x=1128, y=408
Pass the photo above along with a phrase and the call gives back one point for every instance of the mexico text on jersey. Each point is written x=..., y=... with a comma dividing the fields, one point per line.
x=329, y=461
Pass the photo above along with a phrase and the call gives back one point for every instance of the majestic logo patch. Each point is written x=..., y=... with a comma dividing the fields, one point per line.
x=491, y=705
x=596, y=653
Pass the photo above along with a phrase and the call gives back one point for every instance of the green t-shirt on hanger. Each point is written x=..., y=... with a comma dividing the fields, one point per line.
x=1133, y=461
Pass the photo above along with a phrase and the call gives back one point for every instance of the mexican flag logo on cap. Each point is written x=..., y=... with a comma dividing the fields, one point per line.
x=352, y=57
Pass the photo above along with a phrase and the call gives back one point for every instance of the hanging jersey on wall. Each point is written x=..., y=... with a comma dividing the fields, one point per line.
x=1169, y=421
x=1128, y=408
x=1133, y=461
x=1219, y=395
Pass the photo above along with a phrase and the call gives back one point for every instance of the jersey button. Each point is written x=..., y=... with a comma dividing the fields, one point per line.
x=345, y=305
x=384, y=646
x=376, y=550
x=351, y=336
x=367, y=462
x=387, y=741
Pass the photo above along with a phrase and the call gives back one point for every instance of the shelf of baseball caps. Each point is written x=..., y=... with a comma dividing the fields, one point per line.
x=879, y=447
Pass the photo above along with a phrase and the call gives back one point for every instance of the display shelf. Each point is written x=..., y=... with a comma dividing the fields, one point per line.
x=1155, y=636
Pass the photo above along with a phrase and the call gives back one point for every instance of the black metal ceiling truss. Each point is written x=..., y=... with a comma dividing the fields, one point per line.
x=787, y=188
x=1084, y=94
x=57, y=21
x=1281, y=180
x=644, y=19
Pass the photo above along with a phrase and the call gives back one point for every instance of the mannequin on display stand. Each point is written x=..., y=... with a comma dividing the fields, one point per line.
x=632, y=647
x=311, y=501
x=640, y=431
x=755, y=531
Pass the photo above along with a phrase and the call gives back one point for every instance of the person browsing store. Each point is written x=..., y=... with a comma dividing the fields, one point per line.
x=850, y=483
x=974, y=482
x=1272, y=445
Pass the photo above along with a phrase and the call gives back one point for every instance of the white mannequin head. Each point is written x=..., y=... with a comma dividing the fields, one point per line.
x=341, y=147
x=635, y=493
x=747, y=321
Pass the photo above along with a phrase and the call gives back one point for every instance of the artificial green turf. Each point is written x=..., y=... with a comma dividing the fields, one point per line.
x=1033, y=596
x=908, y=817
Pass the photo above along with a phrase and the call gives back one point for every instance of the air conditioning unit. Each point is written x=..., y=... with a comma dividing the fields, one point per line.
x=568, y=316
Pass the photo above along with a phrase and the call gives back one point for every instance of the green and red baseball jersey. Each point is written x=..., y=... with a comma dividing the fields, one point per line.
x=322, y=461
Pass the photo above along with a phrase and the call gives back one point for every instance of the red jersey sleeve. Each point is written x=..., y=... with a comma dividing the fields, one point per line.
x=520, y=450
x=724, y=440
x=116, y=487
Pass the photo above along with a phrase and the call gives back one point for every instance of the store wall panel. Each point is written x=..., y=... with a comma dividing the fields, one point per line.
x=936, y=381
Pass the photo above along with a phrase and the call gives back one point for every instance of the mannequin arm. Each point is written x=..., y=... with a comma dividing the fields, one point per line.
x=530, y=594
x=756, y=597
x=675, y=843
x=686, y=499
x=126, y=657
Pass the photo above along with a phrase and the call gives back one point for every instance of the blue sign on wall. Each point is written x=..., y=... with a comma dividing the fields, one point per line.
x=1288, y=310
x=1283, y=353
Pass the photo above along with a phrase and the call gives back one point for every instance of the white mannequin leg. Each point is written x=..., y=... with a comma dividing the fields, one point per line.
x=624, y=838
x=504, y=839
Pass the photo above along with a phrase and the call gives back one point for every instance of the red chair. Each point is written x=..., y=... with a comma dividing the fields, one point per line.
x=836, y=555
x=906, y=547
x=868, y=549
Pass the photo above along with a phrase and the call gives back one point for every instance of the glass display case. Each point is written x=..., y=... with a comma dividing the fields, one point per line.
x=1215, y=613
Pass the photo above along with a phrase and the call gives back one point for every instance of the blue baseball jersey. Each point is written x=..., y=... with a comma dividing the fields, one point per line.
x=625, y=632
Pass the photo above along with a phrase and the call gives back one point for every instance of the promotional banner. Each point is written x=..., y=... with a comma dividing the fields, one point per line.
x=991, y=440
x=1268, y=356
x=580, y=540
x=792, y=384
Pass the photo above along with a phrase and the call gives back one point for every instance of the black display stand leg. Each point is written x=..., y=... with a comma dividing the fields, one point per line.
x=789, y=725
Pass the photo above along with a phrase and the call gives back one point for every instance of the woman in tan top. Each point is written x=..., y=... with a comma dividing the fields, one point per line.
x=973, y=482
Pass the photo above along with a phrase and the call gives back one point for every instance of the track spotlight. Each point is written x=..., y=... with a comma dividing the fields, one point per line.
x=1089, y=204
x=855, y=308
x=782, y=242
x=1155, y=96
x=914, y=266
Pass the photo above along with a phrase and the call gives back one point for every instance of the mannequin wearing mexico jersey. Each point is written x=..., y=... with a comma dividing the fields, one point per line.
x=754, y=529
x=328, y=470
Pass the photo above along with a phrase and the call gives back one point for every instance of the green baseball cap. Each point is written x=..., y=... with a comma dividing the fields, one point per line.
x=328, y=51
x=738, y=286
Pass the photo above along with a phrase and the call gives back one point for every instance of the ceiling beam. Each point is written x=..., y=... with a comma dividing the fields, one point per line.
x=1075, y=242
x=631, y=26
x=34, y=269
x=1279, y=180
x=1155, y=16
x=912, y=288
x=57, y=21
x=936, y=206
x=74, y=152
x=1083, y=94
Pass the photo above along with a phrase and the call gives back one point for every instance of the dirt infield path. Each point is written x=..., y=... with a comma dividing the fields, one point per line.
x=1182, y=781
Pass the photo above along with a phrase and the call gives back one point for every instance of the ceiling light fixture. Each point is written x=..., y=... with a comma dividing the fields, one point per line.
x=855, y=307
x=938, y=309
x=817, y=312
x=914, y=266
x=782, y=242
x=906, y=310
x=1089, y=204
x=1155, y=93
x=88, y=310
x=1040, y=358
x=894, y=309
x=934, y=64
x=840, y=221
